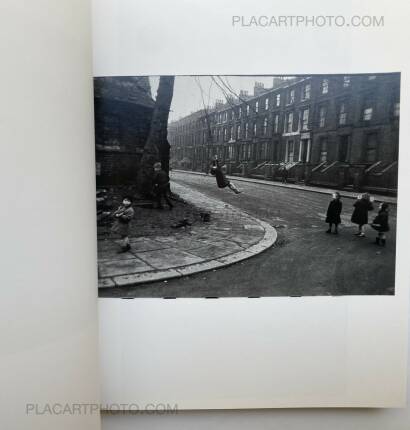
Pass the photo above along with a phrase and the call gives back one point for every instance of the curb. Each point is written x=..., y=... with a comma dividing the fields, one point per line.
x=351, y=195
x=269, y=238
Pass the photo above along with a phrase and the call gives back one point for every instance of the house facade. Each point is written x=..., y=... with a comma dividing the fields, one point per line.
x=340, y=131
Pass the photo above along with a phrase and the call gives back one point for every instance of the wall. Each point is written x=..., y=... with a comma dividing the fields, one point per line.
x=122, y=125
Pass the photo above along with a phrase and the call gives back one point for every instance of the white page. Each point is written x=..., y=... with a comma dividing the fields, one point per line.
x=272, y=352
x=49, y=357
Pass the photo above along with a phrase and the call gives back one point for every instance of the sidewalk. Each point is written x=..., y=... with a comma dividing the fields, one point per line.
x=320, y=190
x=231, y=236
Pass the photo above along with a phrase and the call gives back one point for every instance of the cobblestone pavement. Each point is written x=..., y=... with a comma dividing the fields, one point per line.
x=230, y=236
x=303, y=261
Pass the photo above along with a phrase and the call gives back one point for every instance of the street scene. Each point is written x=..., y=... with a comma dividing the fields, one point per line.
x=206, y=190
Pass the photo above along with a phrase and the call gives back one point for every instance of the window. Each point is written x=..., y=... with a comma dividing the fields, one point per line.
x=231, y=152
x=254, y=128
x=246, y=130
x=396, y=111
x=289, y=122
x=305, y=119
x=266, y=103
x=291, y=97
x=265, y=126
x=231, y=132
x=247, y=110
x=238, y=132
x=372, y=77
x=265, y=150
x=325, y=86
x=342, y=114
x=239, y=113
x=249, y=154
x=367, y=114
x=346, y=81
x=323, y=149
x=256, y=106
x=306, y=92
x=243, y=150
x=277, y=99
x=98, y=169
x=276, y=124
x=218, y=135
x=322, y=116
x=225, y=116
x=225, y=134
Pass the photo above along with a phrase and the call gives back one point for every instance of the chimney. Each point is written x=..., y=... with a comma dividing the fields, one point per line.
x=243, y=94
x=218, y=103
x=258, y=89
x=277, y=81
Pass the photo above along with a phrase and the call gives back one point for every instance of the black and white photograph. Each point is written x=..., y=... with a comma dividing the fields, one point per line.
x=204, y=211
x=246, y=186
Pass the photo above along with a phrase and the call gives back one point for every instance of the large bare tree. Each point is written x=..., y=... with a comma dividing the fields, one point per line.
x=157, y=146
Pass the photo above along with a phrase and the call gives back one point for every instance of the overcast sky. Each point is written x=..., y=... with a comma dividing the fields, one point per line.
x=187, y=93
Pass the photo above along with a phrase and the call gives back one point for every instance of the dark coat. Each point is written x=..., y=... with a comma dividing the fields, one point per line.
x=121, y=223
x=360, y=214
x=381, y=222
x=333, y=212
x=161, y=181
x=221, y=180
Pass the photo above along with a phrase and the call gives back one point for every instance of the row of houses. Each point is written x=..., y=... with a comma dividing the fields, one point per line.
x=340, y=131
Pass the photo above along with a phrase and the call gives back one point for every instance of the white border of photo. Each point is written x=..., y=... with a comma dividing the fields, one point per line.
x=346, y=351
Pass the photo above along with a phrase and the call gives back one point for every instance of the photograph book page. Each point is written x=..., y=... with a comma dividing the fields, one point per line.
x=251, y=218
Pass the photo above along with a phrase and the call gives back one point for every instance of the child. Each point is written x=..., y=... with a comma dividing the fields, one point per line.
x=333, y=213
x=285, y=175
x=220, y=175
x=161, y=186
x=123, y=216
x=360, y=214
x=381, y=224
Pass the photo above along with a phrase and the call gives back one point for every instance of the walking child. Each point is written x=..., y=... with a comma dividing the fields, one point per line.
x=161, y=186
x=285, y=175
x=381, y=224
x=333, y=213
x=220, y=174
x=361, y=210
x=122, y=218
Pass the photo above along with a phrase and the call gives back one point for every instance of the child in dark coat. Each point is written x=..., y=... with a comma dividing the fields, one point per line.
x=381, y=224
x=161, y=186
x=360, y=214
x=123, y=216
x=220, y=174
x=285, y=175
x=333, y=213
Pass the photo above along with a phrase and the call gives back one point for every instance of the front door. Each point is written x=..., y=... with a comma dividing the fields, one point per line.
x=343, y=148
x=304, y=150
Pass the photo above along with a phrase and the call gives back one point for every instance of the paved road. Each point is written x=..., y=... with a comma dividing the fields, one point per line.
x=304, y=261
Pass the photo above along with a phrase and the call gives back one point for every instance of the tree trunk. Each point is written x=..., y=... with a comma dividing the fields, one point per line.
x=157, y=147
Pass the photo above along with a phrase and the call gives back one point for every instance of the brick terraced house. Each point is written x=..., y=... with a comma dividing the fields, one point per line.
x=339, y=131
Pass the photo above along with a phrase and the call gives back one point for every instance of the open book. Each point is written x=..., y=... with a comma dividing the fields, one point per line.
x=206, y=225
